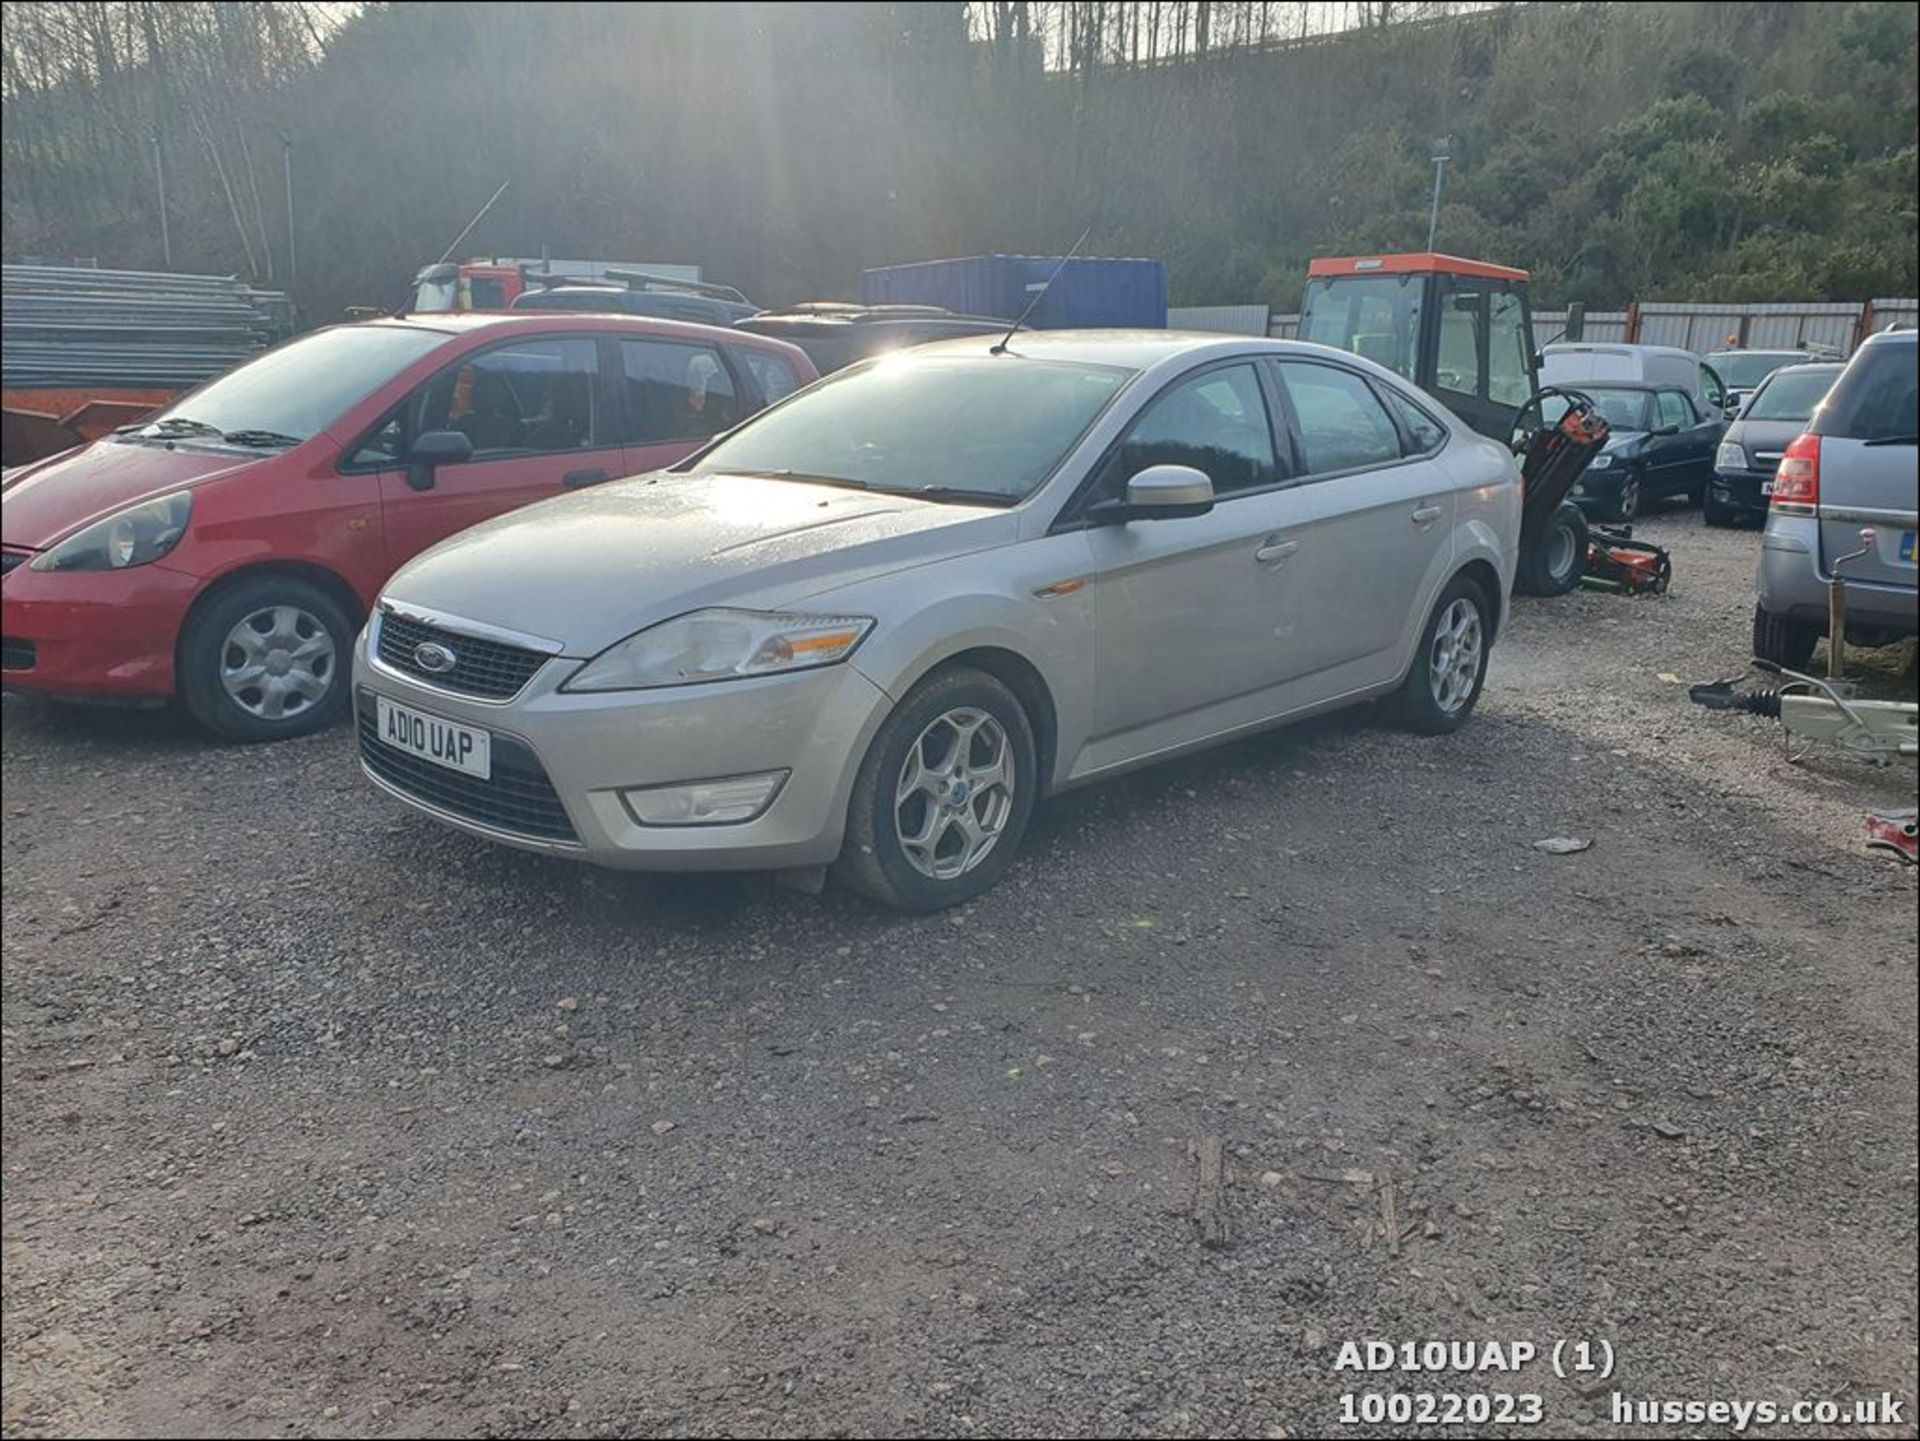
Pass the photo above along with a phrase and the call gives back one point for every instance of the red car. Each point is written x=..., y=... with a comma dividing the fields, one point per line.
x=227, y=550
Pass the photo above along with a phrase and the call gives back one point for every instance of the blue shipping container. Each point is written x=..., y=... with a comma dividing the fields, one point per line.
x=1091, y=291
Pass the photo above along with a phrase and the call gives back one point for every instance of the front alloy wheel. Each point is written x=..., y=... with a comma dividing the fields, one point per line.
x=1628, y=506
x=955, y=793
x=943, y=795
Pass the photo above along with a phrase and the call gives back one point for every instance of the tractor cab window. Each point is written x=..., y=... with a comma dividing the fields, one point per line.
x=1509, y=351
x=1375, y=316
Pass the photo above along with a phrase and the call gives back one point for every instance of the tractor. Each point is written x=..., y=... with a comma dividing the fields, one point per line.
x=1462, y=331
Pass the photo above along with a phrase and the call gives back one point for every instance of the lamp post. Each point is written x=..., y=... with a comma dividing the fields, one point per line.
x=1441, y=155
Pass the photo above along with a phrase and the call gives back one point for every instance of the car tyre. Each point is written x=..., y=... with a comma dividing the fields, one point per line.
x=266, y=660
x=959, y=746
x=1555, y=565
x=1783, y=640
x=1450, y=667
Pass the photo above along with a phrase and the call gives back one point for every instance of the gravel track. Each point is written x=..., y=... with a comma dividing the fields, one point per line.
x=323, y=1120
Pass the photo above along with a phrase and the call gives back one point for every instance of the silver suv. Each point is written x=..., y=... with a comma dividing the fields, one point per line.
x=1854, y=469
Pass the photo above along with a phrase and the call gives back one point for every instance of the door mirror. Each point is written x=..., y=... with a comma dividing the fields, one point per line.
x=1160, y=492
x=435, y=448
x=1667, y=430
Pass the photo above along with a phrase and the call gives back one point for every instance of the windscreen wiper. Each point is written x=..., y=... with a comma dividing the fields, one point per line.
x=957, y=492
x=181, y=425
x=262, y=439
x=1893, y=440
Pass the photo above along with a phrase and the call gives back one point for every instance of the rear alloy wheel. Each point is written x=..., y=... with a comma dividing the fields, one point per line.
x=1450, y=667
x=266, y=660
x=943, y=796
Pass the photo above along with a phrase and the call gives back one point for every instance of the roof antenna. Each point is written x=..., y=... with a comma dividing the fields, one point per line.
x=1041, y=294
x=401, y=312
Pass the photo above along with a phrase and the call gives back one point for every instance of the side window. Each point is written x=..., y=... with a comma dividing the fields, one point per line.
x=1216, y=423
x=1463, y=316
x=488, y=294
x=1674, y=409
x=531, y=397
x=1509, y=347
x=1342, y=424
x=772, y=376
x=1712, y=387
x=676, y=391
x=386, y=447
x=1425, y=432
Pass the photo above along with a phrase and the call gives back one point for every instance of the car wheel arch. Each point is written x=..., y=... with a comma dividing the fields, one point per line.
x=332, y=582
x=1482, y=574
x=1019, y=675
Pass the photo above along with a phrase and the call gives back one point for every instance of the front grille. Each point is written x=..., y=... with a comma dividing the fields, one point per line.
x=16, y=654
x=489, y=669
x=517, y=798
x=1766, y=460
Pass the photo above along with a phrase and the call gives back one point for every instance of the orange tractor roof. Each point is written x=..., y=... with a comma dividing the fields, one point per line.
x=1424, y=262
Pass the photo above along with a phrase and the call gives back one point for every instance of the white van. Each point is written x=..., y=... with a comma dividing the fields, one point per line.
x=1578, y=362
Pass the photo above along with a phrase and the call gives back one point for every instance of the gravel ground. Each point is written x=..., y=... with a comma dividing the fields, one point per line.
x=322, y=1120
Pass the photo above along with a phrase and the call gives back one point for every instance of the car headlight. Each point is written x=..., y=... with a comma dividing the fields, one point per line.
x=721, y=644
x=134, y=536
x=1602, y=461
x=1730, y=456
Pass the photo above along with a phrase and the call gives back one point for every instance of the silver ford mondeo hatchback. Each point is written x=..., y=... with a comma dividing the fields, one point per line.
x=872, y=626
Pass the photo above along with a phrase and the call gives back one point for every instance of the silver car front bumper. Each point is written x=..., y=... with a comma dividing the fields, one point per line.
x=589, y=748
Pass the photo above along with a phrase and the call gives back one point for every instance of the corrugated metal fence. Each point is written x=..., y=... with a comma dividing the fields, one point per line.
x=1229, y=319
x=1701, y=327
x=1695, y=326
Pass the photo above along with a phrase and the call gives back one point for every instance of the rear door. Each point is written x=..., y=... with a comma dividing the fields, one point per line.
x=1868, y=469
x=537, y=415
x=1683, y=460
x=1372, y=516
x=676, y=395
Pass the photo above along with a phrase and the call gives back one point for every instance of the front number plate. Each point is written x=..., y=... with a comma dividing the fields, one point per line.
x=467, y=749
x=1766, y=487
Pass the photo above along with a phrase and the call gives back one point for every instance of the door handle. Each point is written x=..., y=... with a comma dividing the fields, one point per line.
x=1275, y=551
x=583, y=477
x=1426, y=514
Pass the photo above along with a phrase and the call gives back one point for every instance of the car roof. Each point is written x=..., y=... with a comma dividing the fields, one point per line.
x=534, y=320
x=1738, y=352
x=1810, y=365
x=1612, y=347
x=1128, y=349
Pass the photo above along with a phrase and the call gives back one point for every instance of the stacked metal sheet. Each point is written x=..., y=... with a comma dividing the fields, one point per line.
x=72, y=327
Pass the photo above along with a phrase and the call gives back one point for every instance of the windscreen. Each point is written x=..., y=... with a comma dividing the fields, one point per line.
x=299, y=388
x=988, y=426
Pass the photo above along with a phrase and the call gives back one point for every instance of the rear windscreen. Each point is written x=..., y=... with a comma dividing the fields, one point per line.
x=1875, y=398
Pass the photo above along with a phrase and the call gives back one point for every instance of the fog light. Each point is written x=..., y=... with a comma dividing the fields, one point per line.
x=705, y=803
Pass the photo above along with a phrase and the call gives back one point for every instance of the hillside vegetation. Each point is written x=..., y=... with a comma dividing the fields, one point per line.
x=1740, y=151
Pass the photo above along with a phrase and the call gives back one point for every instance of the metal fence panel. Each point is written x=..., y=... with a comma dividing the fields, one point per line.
x=1229, y=319
x=1895, y=312
x=1550, y=325
x=1284, y=327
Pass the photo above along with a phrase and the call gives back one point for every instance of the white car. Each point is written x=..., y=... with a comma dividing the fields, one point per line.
x=872, y=626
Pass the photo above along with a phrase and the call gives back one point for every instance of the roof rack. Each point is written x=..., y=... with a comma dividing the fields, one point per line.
x=645, y=281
